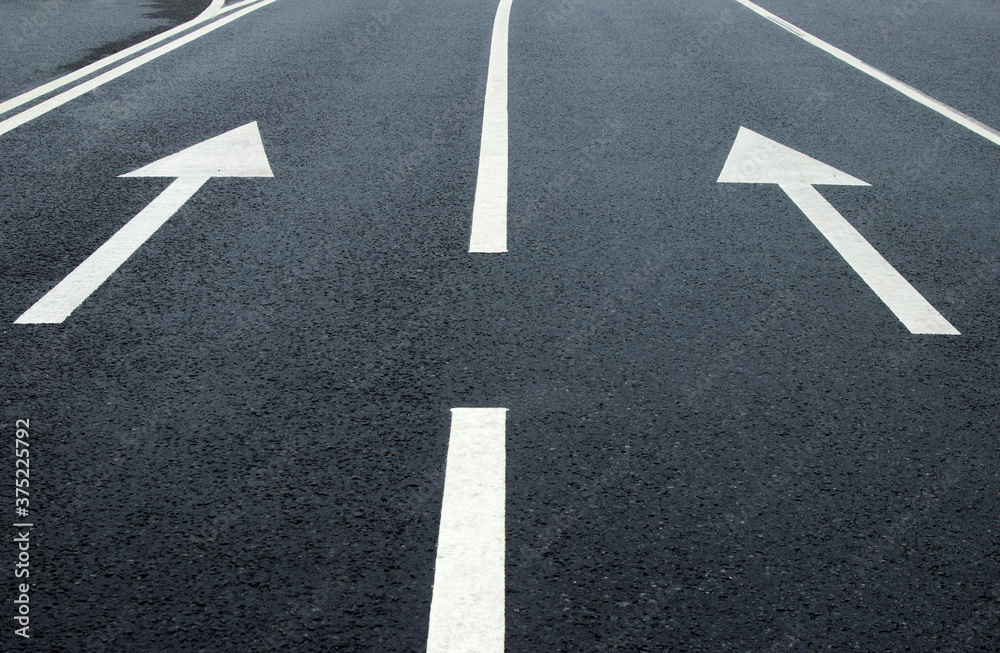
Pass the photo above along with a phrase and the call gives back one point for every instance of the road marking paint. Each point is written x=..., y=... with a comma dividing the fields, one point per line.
x=237, y=153
x=755, y=159
x=210, y=11
x=915, y=312
x=489, y=213
x=44, y=107
x=56, y=305
x=213, y=10
x=467, y=607
x=952, y=114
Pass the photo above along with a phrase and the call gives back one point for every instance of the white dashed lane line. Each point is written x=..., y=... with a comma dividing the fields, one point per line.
x=489, y=214
x=467, y=606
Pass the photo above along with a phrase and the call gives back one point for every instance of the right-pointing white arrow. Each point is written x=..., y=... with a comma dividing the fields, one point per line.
x=756, y=159
x=237, y=153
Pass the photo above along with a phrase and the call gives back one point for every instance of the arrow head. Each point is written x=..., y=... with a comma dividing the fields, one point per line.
x=237, y=153
x=756, y=159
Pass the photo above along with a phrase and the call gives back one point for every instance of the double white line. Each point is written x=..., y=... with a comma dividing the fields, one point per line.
x=214, y=17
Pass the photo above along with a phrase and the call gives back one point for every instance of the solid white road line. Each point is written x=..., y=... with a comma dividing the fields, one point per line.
x=910, y=307
x=489, y=214
x=467, y=607
x=210, y=12
x=56, y=305
x=42, y=108
x=955, y=115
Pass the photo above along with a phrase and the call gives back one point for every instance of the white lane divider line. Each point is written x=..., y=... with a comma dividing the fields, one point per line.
x=948, y=112
x=756, y=159
x=467, y=606
x=489, y=213
x=56, y=101
x=237, y=153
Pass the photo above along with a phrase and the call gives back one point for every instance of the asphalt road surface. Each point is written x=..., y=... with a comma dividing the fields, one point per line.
x=717, y=436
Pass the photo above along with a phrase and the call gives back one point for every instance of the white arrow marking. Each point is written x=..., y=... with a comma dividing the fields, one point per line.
x=237, y=153
x=489, y=213
x=755, y=159
x=467, y=606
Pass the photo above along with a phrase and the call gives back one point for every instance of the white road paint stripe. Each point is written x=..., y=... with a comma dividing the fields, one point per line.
x=489, y=214
x=210, y=12
x=955, y=115
x=42, y=108
x=56, y=305
x=910, y=307
x=467, y=607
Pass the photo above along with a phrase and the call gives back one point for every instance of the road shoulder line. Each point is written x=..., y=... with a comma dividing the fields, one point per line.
x=44, y=107
x=948, y=112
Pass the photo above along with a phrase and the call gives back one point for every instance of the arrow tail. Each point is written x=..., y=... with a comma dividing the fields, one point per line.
x=915, y=312
x=56, y=305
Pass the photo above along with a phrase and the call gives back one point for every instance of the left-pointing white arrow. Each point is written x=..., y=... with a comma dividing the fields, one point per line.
x=756, y=159
x=237, y=153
